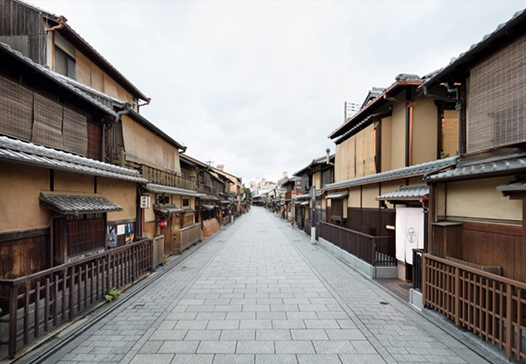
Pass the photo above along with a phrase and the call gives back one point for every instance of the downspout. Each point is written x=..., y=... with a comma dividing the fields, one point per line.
x=119, y=115
x=148, y=100
x=61, y=24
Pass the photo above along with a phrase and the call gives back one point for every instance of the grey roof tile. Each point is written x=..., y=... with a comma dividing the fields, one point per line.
x=24, y=152
x=57, y=78
x=77, y=204
x=465, y=56
x=494, y=165
x=168, y=209
x=406, y=193
x=406, y=172
x=157, y=188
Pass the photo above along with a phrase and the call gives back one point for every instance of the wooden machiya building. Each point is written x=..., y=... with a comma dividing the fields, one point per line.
x=377, y=205
x=318, y=174
x=64, y=211
x=474, y=271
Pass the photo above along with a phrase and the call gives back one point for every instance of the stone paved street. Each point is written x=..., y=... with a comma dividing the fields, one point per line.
x=259, y=292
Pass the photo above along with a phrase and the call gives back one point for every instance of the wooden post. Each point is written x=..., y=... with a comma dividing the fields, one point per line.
x=424, y=280
x=457, y=296
x=510, y=337
x=13, y=303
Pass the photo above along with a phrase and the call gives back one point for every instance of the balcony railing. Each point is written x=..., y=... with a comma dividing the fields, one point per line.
x=489, y=305
x=168, y=179
x=207, y=190
x=375, y=250
x=38, y=303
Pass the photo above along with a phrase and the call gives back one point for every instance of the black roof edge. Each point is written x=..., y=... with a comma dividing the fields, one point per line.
x=487, y=45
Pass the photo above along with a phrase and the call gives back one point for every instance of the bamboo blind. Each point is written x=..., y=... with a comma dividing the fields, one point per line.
x=449, y=133
x=16, y=109
x=496, y=99
x=47, y=125
x=75, y=136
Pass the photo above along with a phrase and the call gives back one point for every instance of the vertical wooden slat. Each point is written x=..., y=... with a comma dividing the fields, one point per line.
x=72, y=294
x=55, y=299
x=26, y=313
x=46, y=306
x=519, y=319
x=37, y=309
x=457, y=297
x=13, y=303
x=509, y=320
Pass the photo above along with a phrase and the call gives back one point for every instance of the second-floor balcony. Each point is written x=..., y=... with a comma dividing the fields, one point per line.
x=209, y=190
x=168, y=179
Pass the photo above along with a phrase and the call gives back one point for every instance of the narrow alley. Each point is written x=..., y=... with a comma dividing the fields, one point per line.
x=259, y=292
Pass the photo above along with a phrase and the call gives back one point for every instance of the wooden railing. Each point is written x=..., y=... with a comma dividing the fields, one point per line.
x=207, y=190
x=168, y=179
x=41, y=302
x=190, y=235
x=491, y=306
x=375, y=250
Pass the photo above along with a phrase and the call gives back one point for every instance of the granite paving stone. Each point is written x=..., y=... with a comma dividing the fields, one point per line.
x=258, y=292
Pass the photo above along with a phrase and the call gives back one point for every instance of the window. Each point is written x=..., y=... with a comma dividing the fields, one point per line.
x=449, y=135
x=65, y=64
x=186, y=202
x=496, y=110
x=85, y=233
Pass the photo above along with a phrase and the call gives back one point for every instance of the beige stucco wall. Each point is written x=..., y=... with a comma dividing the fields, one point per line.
x=19, y=207
x=424, y=131
x=144, y=147
x=480, y=199
x=398, y=142
x=354, y=199
x=149, y=214
x=316, y=180
x=122, y=193
x=68, y=182
x=369, y=194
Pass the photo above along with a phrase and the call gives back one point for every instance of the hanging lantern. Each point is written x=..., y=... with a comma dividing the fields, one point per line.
x=162, y=224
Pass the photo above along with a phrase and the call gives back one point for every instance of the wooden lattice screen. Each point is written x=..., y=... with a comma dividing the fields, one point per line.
x=496, y=99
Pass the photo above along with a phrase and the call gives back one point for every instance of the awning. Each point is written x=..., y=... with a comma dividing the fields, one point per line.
x=308, y=195
x=513, y=188
x=208, y=207
x=167, y=209
x=225, y=202
x=203, y=196
x=189, y=210
x=156, y=188
x=338, y=195
x=409, y=193
x=304, y=203
x=77, y=204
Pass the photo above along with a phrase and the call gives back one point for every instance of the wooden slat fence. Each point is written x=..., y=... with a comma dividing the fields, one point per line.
x=190, y=235
x=375, y=250
x=41, y=302
x=491, y=306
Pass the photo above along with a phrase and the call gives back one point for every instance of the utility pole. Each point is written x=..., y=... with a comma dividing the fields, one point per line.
x=313, y=215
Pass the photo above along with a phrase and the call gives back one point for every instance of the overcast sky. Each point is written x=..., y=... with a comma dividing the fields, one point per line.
x=258, y=85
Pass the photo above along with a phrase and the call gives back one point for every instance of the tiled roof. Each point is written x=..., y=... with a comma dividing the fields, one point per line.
x=315, y=162
x=338, y=195
x=203, y=196
x=308, y=195
x=77, y=204
x=156, y=188
x=28, y=153
x=208, y=207
x=89, y=47
x=406, y=172
x=489, y=40
x=512, y=187
x=56, y=78
x=406, y=193
x=168, y=209
x=496, y=165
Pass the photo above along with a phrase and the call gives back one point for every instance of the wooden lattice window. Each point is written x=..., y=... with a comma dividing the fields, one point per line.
x=496, y=103
x=85, y=233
